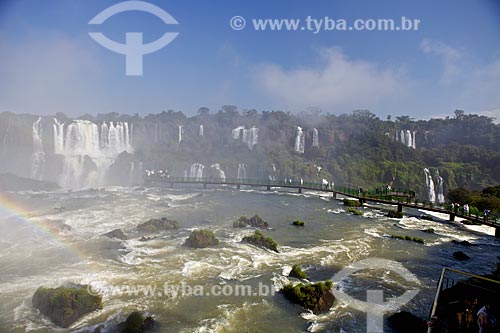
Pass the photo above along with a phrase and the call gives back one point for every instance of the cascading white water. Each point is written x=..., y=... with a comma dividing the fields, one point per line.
x=101, y=144
x=242, y=171
x=180, y=133
x=431, y=191
x=299, y=141
x=249, y=136
x=222, y=174
x=38, y=156
x=58, y=136
x=201, y=131
x=440, y=187
x=196, y=171
x=407, y=138
x=315, y=138
x=237, y=131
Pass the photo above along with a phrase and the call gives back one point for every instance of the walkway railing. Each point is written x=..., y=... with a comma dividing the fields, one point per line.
x=394, y=196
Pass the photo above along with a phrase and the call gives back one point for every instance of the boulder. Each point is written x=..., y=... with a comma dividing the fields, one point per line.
x=158, y=225
x=117, y=233
x=201, y=238
x=459, y=255
x=65, y=305
x=297, y=272
x=258, y=239
x=463, y=243
x=316, y=297
x=298, y=223
x=255, y=221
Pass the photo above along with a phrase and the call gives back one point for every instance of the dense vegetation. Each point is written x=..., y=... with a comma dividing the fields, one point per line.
x=488, y=198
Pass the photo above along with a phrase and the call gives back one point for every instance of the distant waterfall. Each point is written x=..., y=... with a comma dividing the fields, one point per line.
x=242, y=171
x=180, y=133
x=299, y=141
x=407, y=138
x=315, y=138
x=156, y=133
x=196, y=171
x=222, y=174
x=89, y=150
x=250, y=136
x=200, y=131
x=38, y=156
x=440, y=189
x=431, y=191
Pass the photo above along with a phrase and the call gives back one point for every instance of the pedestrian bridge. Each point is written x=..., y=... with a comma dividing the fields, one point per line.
x=397, y=197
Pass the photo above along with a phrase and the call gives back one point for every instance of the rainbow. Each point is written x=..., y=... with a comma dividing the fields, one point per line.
x=10, y=208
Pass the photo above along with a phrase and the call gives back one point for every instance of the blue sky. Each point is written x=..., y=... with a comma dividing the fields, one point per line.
x=49, y=63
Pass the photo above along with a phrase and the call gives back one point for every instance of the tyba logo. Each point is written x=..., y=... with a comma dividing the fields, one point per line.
x=134, y=49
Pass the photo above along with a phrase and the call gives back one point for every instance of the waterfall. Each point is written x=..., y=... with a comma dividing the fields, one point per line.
x=430, y=185
x=89, y=150
x=237, y=131
x=407, y=138
x=242, y=171
x=180, y=133
x=200, y=131
x=248, y=136
x=38, y=157
x=222, y=174
x=315, y=138
x=156, y=133
x=440, y=188
x=58, y=136
x=299, y=141
x=196, y=171
x=251, y=136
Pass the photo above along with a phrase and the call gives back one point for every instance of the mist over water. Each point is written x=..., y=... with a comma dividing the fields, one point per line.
x=330, y=240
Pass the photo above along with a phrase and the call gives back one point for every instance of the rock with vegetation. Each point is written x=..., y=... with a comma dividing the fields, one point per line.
x=409, y=238
x=255, y=221
x=352, y=203
x=395, y=214
x=158, y=225
x=354, y=211
x=136, y=322
x=459, y=255
x=258, y=239
x=201, y=238
x=298, y=223
x=65, y=305
x=117, y=233
x=297, y=272
x=405, y=322
x=316, y=297
x=429, y=230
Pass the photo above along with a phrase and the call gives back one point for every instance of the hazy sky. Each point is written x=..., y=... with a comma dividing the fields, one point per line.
x=49, y=63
